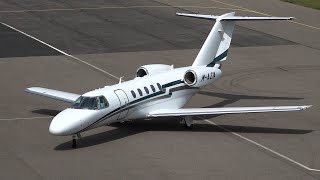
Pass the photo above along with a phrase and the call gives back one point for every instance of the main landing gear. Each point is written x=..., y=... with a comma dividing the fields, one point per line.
x=187, y=122
x=74, y=140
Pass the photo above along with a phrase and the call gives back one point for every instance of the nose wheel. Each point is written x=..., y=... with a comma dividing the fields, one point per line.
x=74, y=140
x=74, y=143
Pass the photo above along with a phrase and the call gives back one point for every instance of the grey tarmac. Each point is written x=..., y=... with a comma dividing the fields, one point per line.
x=274, y=63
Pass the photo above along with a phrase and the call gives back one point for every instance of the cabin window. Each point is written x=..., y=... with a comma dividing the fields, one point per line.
x=133, y=94
x=146, y=89
x=153, y=89
x=140, y=92
x=159, y=86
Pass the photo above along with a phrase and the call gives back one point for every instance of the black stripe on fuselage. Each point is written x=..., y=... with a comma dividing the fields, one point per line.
x=172, y=83
x=134, y=103
x=180, y=88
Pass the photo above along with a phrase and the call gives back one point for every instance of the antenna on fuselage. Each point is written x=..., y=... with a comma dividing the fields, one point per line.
x=120, y=80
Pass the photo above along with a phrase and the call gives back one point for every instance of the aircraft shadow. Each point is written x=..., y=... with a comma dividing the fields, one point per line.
x=48, y=112
x=232, y=98
x=127, y=129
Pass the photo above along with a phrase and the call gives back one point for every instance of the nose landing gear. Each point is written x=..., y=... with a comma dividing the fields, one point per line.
x=187, y=122
x=74, y=143
x=74, y=140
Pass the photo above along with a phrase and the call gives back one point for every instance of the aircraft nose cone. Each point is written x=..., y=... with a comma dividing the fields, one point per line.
x=69, y=121
x=66, y=122
x=55, y=128
x=59, y=126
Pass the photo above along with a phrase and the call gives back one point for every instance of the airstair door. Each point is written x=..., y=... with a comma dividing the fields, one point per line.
x=124, y=101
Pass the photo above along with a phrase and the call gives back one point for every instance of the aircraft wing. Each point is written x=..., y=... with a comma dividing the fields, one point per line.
x=200, y=16
x=224, y=110
x=233, y=18
x=54, y=94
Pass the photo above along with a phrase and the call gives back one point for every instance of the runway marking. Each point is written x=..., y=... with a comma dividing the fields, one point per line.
x=25, y=118
x=264, y=147
x=237, y=8
x=110, y=7
x=257, y=12
x=62, y=52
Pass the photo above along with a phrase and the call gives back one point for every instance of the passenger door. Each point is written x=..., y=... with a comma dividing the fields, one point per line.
x=123, y=99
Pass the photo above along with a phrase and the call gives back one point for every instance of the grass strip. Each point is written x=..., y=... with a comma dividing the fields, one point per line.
x=315, y=4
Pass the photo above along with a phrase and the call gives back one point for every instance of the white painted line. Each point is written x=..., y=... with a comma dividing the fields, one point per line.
x=110, y=7
x=25, y=118
x=257, y=12
x=62, y=52
x=236, y=8
x=264, y=147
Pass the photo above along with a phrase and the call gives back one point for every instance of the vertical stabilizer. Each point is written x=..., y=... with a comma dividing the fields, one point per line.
x=216, y=46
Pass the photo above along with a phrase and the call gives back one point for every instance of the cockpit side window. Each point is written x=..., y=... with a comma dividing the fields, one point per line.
x=103, y=102
x=77, y=102
x=92, y=103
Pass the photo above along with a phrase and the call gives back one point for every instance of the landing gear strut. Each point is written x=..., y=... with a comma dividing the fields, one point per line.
x=74, y=140
x=74, y=143
x=187, y=122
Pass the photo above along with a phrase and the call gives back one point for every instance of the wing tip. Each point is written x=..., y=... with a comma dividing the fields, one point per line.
x=306, y=107
x=30, y=89
x=179, y=14
x=289, y=18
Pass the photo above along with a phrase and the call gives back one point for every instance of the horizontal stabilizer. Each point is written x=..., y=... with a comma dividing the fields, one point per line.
x=54, y=94
x=225, y=110
x=215, y=49
x=233, y=18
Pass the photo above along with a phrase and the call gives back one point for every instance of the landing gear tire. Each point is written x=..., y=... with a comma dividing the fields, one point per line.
x=74, y=143
x=74, y=140
x=186, y=126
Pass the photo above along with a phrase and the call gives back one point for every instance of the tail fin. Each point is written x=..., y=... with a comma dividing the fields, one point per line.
x=215, y=48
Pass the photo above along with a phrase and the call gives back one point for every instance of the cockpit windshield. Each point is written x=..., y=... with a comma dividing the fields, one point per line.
x=93, y=103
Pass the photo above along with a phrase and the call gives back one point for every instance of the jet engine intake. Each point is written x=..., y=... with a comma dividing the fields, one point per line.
x=201, y=76
x=152, y=69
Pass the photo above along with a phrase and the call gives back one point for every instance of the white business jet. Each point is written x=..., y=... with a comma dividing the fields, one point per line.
x=158, y=90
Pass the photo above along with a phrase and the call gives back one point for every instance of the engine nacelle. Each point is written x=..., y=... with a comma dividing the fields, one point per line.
x=152, y=69
x=201, y=76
